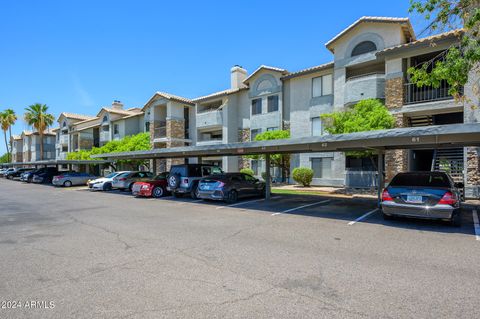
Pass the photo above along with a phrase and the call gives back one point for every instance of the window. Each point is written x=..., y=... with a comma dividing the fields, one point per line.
x=256, y=106
x=322, y=85
x=249, y=179
x=322, y=167
x=272, y=103
x=115, y=129
x=364, y=47
x=254, y=133
x=317, y=127
x=147, y=126
x=105, y=119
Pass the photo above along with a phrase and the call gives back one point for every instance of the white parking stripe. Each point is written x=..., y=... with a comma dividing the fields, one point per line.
x=476, y=225
x=247, y=202
x=300, y=207
x=363, y=216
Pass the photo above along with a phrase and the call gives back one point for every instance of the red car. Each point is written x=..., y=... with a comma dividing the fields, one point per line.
x=155, y=188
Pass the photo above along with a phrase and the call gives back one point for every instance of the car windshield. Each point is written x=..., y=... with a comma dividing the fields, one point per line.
x=112, y=175
x=420, y=180
x=161, y=176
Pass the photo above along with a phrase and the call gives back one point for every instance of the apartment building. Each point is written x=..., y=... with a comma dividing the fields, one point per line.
x=370, y=59
x=82, y=132
x=17, y=149
x=29, y=144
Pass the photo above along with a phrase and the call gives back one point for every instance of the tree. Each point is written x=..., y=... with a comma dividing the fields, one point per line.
x=454, y=64
x=5, y=158
x=11, y=118
x=138, y=142
x=366, y=115
x=280, y=160
x=5, y=125
x=37, y=116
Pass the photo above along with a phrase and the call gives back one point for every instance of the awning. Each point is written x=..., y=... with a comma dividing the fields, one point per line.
x=427, y=137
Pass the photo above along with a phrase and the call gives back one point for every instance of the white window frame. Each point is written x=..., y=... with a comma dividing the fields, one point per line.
x=321, y=79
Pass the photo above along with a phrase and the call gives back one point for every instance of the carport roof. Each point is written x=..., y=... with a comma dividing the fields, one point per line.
x=441, y=136
x=59, y=162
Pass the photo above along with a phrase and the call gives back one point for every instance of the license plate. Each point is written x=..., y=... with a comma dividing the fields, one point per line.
x=136, y=188
x=206, y=187
x=414, y=199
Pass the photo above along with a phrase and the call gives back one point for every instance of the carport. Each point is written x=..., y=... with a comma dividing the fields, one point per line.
x=56, y=163
x=441, y=136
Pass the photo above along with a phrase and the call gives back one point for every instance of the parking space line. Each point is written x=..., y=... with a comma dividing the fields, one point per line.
x=247, y=202
x=363, y=216
x=476, y=224
x=300, y=207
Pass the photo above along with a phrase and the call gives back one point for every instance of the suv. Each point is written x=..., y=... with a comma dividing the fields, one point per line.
x=184, y=178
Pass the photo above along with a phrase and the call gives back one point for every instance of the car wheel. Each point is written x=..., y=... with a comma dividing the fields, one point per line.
x=67, y=184
x=232, y=197
x=107, y=187
x=194, y=192
x=158, y=192
x=456, y=220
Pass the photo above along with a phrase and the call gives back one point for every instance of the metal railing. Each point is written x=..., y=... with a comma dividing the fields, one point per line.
x=416, y=94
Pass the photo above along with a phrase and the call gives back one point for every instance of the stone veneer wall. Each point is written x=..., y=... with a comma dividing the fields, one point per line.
x=473, y=166
x=397, y=160
x=394, y=92
x=175, y=130
x=243, y=136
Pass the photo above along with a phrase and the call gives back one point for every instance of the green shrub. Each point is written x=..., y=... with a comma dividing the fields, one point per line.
x=247, y=171
x=303, y=175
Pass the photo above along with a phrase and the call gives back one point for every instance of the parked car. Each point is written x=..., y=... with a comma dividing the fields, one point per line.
x=230, y=187
x=184, y=178
x=69, y=179
x=6, y=171
x=157, y=187
x=126, y=180
x=430, y=195
x=28, y=177
x=103, y=183
x=15, y=174
x=45, y=177
x=3, y=171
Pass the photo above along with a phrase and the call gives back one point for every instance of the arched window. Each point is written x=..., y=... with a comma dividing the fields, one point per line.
x=105, y=119
x=364, y=47
x=64, y=124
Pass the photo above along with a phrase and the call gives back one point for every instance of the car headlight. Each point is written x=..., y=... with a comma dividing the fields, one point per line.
x=145, y=187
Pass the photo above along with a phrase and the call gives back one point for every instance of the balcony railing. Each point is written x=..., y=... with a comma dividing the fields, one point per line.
x=415, y=94
x=159, y=129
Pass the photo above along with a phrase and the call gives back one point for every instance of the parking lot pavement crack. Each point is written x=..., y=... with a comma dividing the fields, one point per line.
x=104, y=229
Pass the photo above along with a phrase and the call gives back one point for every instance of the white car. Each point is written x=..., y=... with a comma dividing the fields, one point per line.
x=103, y=183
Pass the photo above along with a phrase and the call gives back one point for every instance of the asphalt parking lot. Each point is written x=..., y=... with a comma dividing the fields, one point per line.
x=111, y=255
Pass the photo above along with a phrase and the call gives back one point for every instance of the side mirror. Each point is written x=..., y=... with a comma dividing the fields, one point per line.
x=459, y=185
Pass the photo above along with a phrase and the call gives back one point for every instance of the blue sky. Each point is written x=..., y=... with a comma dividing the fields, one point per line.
x=77, y=56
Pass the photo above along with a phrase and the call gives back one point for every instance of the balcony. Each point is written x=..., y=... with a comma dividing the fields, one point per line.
x=209, y=119
x=104, y=136
x=415, y=94
x=63, y=140
x=365, y=86
x=159, y=129
x=212, y=141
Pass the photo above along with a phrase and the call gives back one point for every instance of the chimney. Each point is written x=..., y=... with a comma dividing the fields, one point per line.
x=116, y=104
x=238, y=75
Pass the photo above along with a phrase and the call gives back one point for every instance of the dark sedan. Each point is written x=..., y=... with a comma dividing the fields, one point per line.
x=430, y=195
x=230, y=187
x=15, y=174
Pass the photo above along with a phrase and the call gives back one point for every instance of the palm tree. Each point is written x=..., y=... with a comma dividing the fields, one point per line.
x=4, y=125
x=11, y=118
x=36, y=116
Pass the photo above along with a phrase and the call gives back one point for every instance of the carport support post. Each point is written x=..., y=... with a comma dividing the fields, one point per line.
x=380, y=182
x=267, y=175
x=154, y=166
